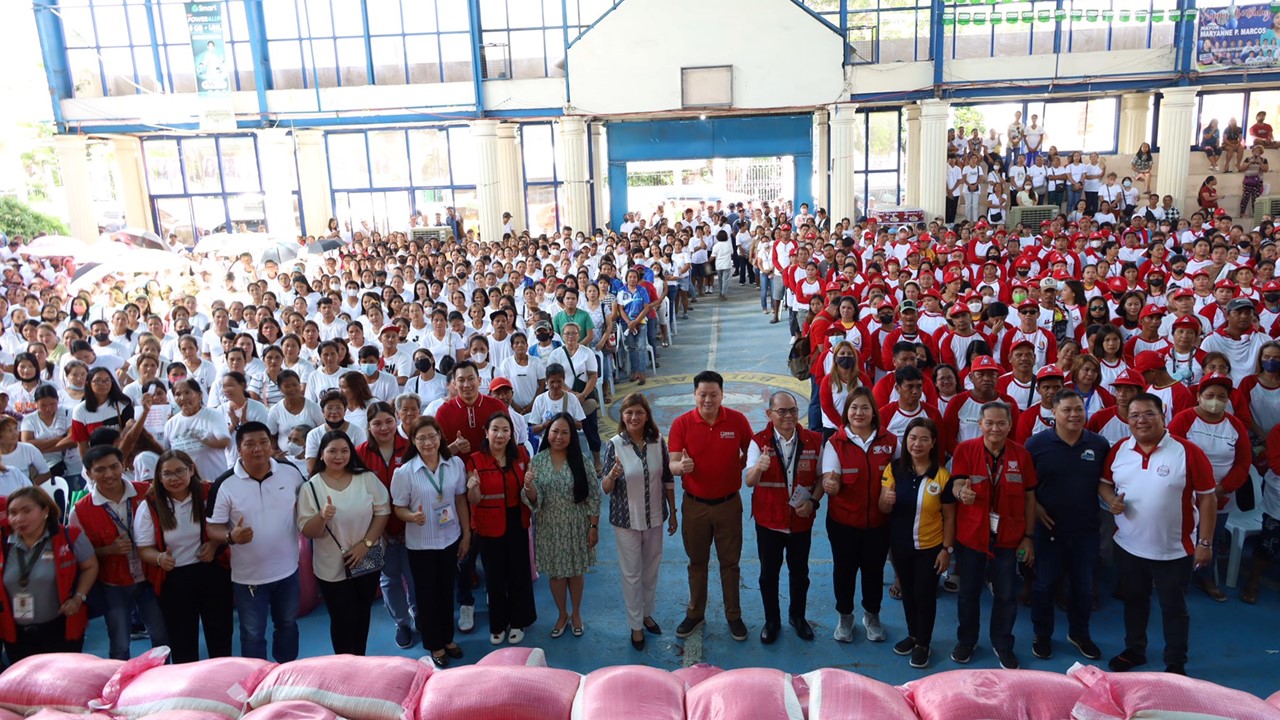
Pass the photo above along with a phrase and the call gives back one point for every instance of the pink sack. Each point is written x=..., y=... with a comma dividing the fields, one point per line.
x=994, y=695
x=500, y=693
x=836, y=694
x=359, y=688
x=221, y=686
x=631, y=691
x=749, y=694
x=9, y=715
x=1274, y=700
x=51, y=714
x=308, y=588
x=1121, y=696
x=695, y=674
x=187, y=715
x=292, y=710
x=65, y=681
x=533, y=657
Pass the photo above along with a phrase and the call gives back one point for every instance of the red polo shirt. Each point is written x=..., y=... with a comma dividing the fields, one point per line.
x=456, y=417
x=718, y=451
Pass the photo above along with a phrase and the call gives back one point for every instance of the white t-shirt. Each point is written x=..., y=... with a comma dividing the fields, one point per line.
x=1161, y=515
x=183, y=542
x=524, y=378
x=583, y=363
x=182, y=432
x=544, y=408
x=353, y=431
x=428, y=391
x=24, y=457
x=441, y=348
x=280, y=421
x=256, y=412
x=59, y=427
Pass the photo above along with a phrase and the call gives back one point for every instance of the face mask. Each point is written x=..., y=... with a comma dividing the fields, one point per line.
x=335, y=425
x=369, y=368
x=1019, y=297
x=102, y=337
x=27, y=378
x=293, y=450
x=422, y=365
x=352, y=293
x=543, y=336
x=479, y=357
x=1271, y=297
x=846, y=362
x=75, y=388
x=335, y=286
x=885, y=319
x=184, y=331
x=1213, y=407
x=988, y=299
x=1128, y=183
x=974, y=307
x=1271, y=366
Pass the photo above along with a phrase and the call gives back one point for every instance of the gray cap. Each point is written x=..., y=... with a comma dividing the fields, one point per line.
x=908, y=305
x=1240, y=304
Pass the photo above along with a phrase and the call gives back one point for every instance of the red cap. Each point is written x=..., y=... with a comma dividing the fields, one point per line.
x=983, y=363
x=951, y=277
x=981, y=224
x=1156, y=271
x=933, y=293
x=1271, y=286
x=1150, y=310
x=1198, y=273
x=1049, y=371
x=389, y=328
x=1027, y=302
x=1220, y=212
x=1147, y=360
x=1215, y=379
x=499, y=383
x=1187, y=322
x=1045, y=223
x=1129, y=377
x=1061, y=275
x=1182, y=292
x=957, y=309
x=1020, y=343
x=992, y=263
x=1117, y=284
x=1225, y=284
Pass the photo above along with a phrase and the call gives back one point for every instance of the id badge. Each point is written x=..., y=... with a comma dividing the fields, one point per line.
x=24, y=607
x=443, y=514
x=995, y=522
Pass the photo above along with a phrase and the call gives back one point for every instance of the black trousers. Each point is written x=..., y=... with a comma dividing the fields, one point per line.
x=1170, y=579
x=349, y=602
x=508, y=577
x=743, y=268
x=772, y=545
x=48, y=637
x=855, y=550
x=433, y=572
x=953, y=202
x=1090, y=201
x=193, y=595
x=919, y=582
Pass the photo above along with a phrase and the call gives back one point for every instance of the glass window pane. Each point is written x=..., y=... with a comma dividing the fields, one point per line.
x=77, y=26
x=554, y=43
x=85, y=72
x=452, y=15
x=1260, y=101
x=884, y=141
x=173, y=215
x=467, y=205
x=243, y=65
x=1100, y=125
x=462, y=156
x=239, y=165
x=1064, y=125
x=118, y=65
x=525, y=13
x=234, y=17
x=286, y=64
x=210, y=215
x=325, y=61
x=281, y=17
x=430, y=203
x=541, y=206
x=493, y=14
x=180, y=68
x=111, y=25
x=139, y=30
x=1223, y=107
x=164, y=169
x=352, y=60
x=384, y=16
x=429, y=157
x=348, y=163
x=389, y=157
x=527, y=56
x=419, y=17
x=456, y=52
x=423, y=53
x=200, y=160
x=248, y=212
x=539, y=153
x=388, y=60
x=348, y=19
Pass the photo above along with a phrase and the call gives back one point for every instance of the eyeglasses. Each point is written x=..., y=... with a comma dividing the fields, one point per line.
x=1149, y=415
x=785, y=412
x=174, y=474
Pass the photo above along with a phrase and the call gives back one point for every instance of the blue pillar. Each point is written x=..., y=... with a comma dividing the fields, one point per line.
x=844, y=30
x=1057, y=29
x=804, y=181
x=368, y=44
x=161, y=80
x=53, y=50
x=477, y=34
x=568, y=96
x=937, y=40
x=1184, y=39
x=617, y=192
x=257, y=24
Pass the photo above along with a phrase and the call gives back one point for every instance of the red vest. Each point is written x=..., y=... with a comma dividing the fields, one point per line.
x=154, y=574
x=973, y=522
x=770, y=500
x=102, y=530
x=489, y=516
x=371, y=456
x=858, y=502
x=66, y=571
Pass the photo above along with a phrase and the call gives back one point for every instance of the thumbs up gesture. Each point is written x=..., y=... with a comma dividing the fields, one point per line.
x=329, y=510
x=473, y=481
x=831, y=484
x=530, y=489
x=241, y=534
x=1116, y=506
x=763, y=463
x=460, y=445
x=166, y=561
x=890, y=494
x=686, y=464
x=420, y=517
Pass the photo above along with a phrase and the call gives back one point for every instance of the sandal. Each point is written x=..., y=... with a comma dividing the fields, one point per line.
x=1208, y=587
x=895, y=591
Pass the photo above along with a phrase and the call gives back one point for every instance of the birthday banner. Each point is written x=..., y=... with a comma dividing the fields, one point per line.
x=1238, y=36
x=982, y=15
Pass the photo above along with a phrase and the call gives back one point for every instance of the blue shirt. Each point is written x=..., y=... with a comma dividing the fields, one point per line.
x=1068, y=477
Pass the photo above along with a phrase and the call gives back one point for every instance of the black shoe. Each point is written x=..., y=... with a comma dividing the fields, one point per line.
x=404, y=638
x=769, y=633
x=1176, y=670
x=804, y=630
x=1086, y=647
x=904, y=646
x=1125, y=661
x=1008, y=660
x=637, y=644
x=738, y=630
x=962, y=653
x=652, y=626
x=920, y=657
x=687, y=626
x=1042, y=647
x=440, y=661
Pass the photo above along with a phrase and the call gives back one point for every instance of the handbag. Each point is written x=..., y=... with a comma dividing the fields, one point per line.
x=372, y=561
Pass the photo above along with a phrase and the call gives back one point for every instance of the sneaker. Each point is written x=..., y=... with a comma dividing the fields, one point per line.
x=139, y=634
x=904, y=646
x=497, y=638
x=404, y=637
x=844, y=631
x=1126, y=661
x=920, y=657
x=466, y=618
x=1042, y=647
x=738, y=629
x=1087, y=648
x=687, y=626
x=1008, y=660
x=515, y=636
x=875, y=631
x=962, y=653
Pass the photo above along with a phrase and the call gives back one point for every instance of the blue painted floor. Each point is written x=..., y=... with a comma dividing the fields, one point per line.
x=1232, y=644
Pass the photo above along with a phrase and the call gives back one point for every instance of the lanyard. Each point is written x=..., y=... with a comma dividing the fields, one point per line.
x=437, y=481
x=788, y=463
x=995, y=472
x=27, y=562
x=128, y=529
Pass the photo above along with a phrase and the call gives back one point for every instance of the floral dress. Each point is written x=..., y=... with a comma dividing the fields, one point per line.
x=560, y=540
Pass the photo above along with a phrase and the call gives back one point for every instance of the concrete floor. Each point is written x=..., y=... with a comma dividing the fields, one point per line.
x=1233, y=644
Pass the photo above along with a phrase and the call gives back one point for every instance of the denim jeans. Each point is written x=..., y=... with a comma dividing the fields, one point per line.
x=815, y=403
x=1076, y=555
x=975, y=569
x=1073, y=196
x=766, y=290
x=280, y=599
x=636, y=350
x=121, y=600
x=724, y=276
x=398, y=594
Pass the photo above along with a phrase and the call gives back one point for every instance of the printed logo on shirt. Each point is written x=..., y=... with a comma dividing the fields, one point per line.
x=1087, y=455
x=1013, y=466
x=727, y=435
x=882, y=449
x=933, y=488
x=1163, y=471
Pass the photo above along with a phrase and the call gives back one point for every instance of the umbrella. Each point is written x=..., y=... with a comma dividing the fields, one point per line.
x=56, y=246
x=279, y=251
x=135, y=261
x=323, y=246
x=230, y=244
x=140, y=238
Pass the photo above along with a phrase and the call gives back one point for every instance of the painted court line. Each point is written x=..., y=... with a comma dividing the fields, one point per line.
x=715, y=338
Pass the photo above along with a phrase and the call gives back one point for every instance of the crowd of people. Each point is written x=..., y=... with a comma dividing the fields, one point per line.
x=412, y=409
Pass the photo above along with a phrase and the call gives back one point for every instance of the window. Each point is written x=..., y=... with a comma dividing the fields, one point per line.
x=1222, y=107
x=1090, y=126
x=877, y=160
x=543, y=170
x=320, y=42
x=1032, y=27
x=525, y=38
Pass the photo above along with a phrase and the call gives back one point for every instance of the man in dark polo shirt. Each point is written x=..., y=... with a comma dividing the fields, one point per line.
x=1069, y=462
x=708, y=450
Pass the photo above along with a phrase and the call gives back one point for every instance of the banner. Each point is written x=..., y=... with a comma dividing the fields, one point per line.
x=1238, y=36
x=208, y=49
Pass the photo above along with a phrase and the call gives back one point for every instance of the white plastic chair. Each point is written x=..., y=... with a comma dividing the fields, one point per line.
x=1241, y=525
x=599, y=378
x=60, y=491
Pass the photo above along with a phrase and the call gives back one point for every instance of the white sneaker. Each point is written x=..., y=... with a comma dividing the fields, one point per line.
x=875, y=631
x=467, y=618
x=497, y=638
x=844, y=630
x=515, y=636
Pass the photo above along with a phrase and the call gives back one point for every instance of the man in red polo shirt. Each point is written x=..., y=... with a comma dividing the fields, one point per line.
x=708, y=450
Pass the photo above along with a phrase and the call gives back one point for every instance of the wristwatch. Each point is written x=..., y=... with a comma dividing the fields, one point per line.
x=83, y=598
x=950, y=549
x=231, y=539
x=368, y=543
x=1205, y=544
x=595, y=526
